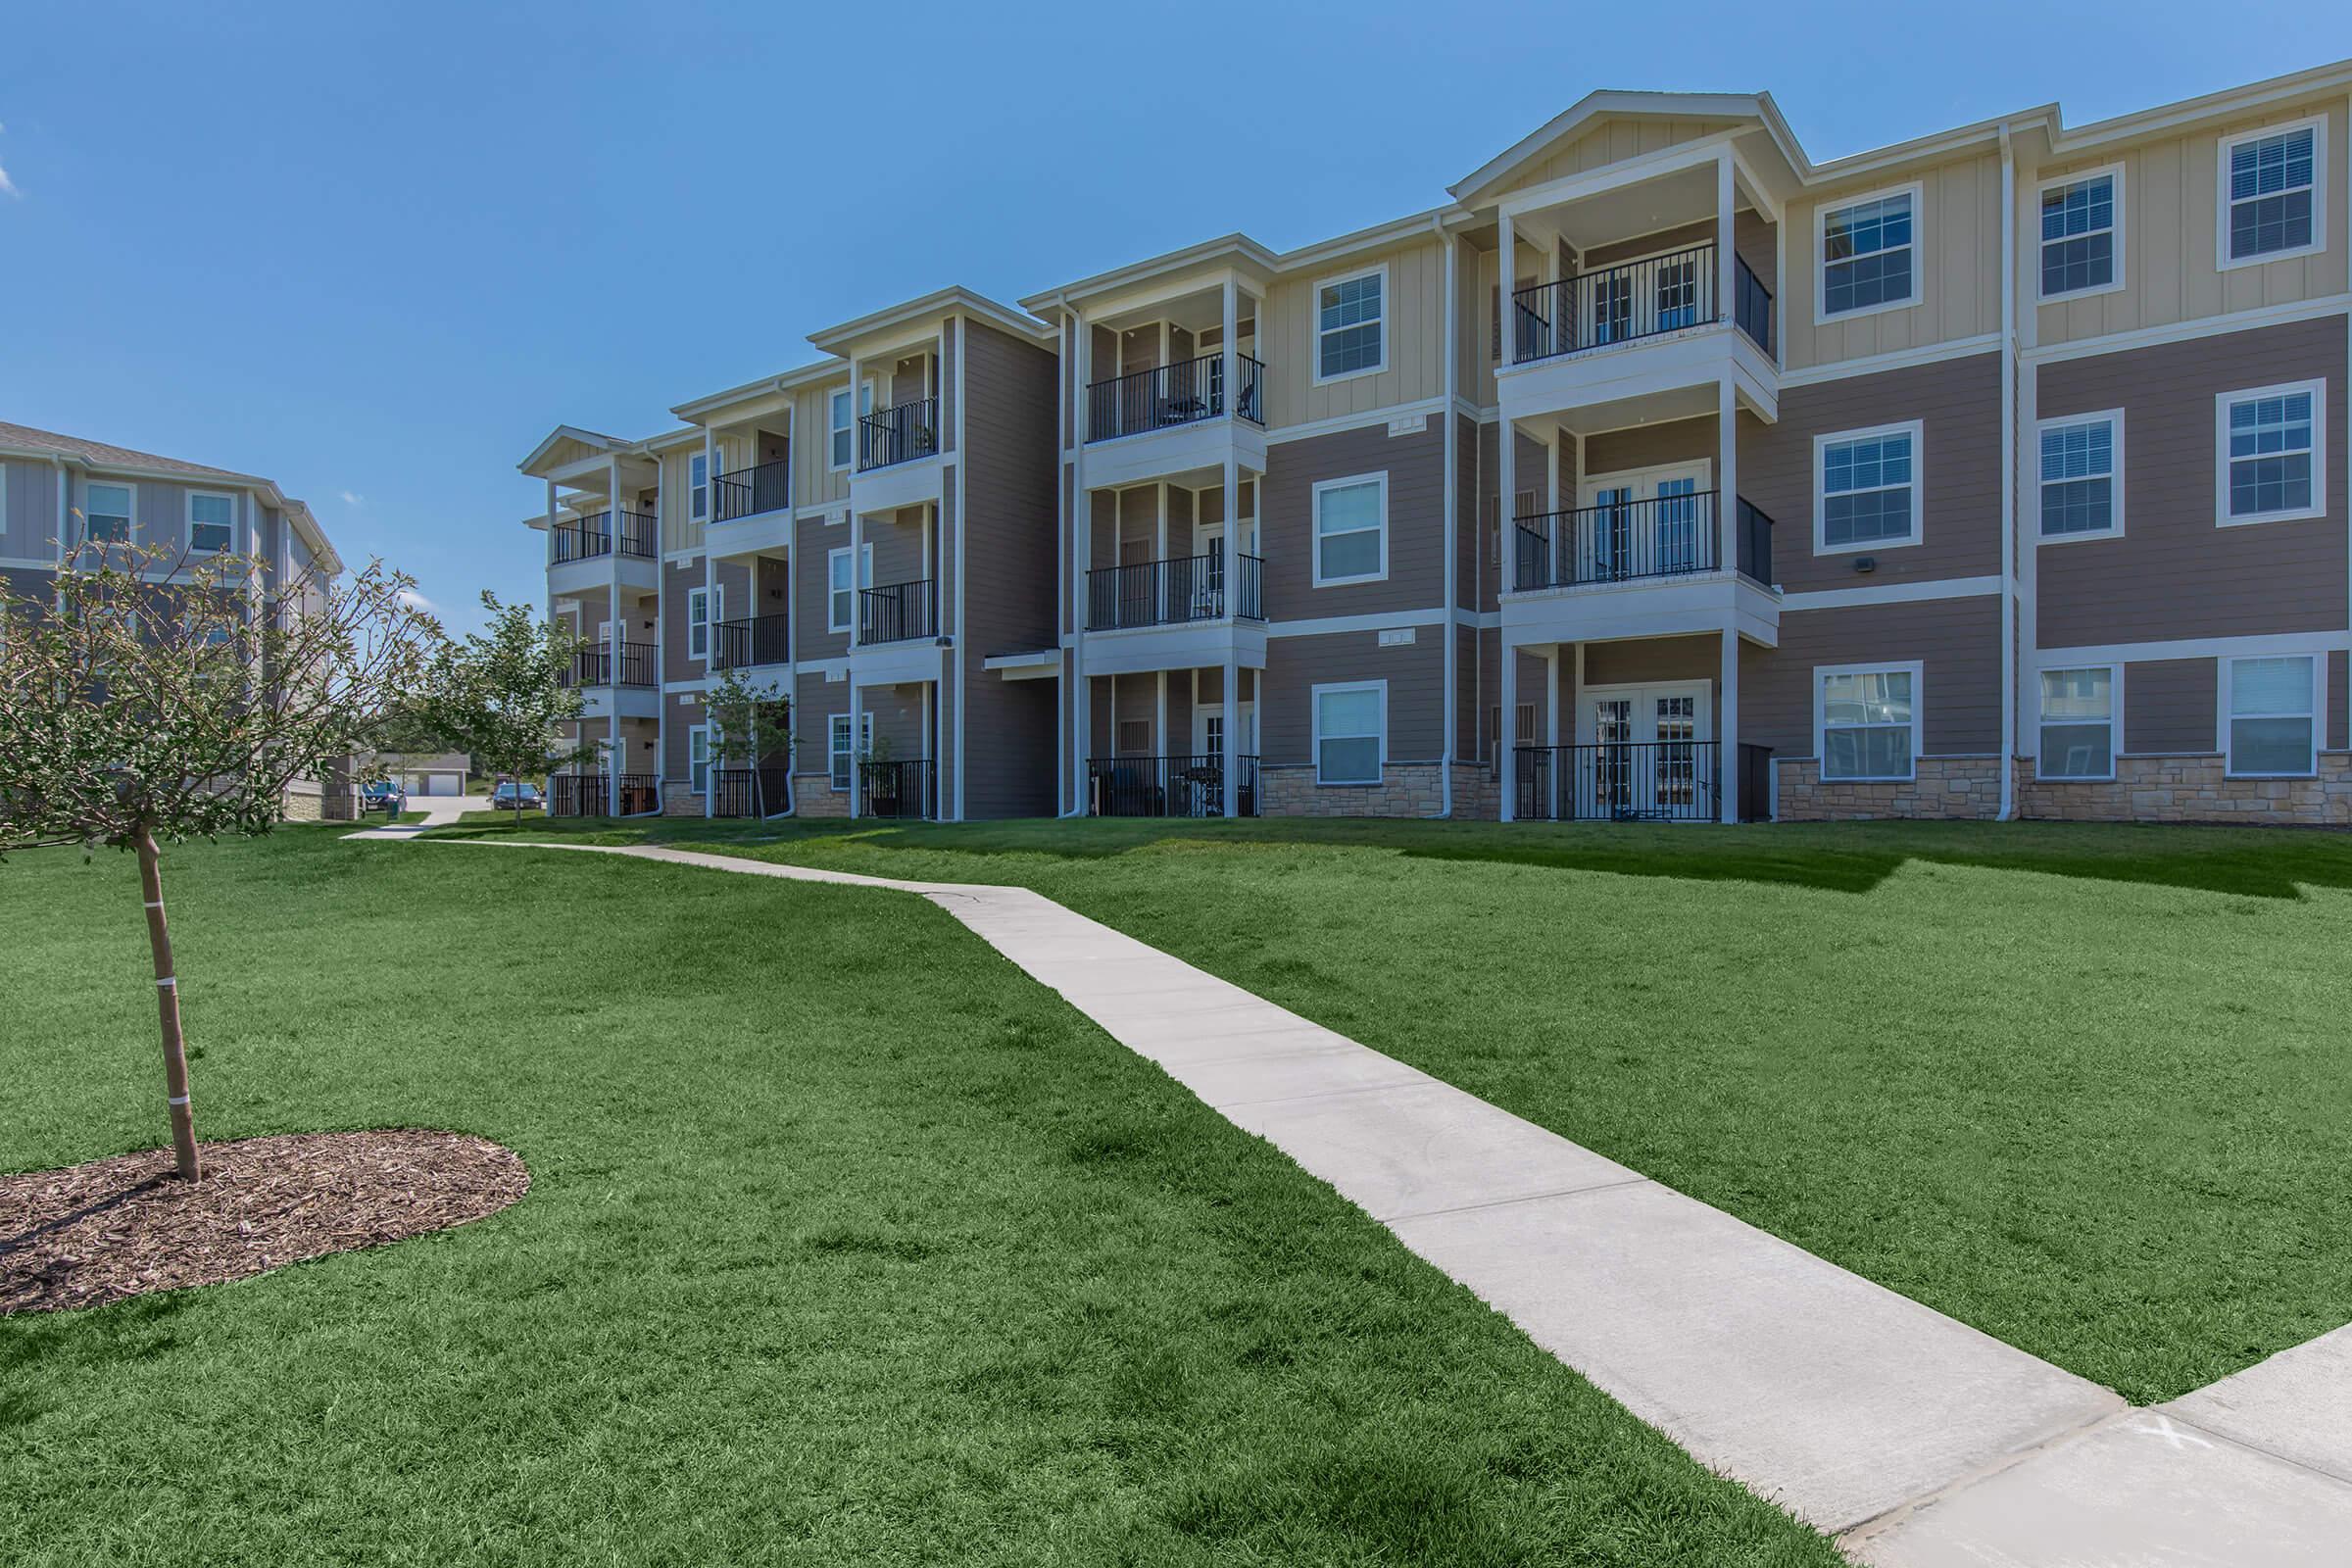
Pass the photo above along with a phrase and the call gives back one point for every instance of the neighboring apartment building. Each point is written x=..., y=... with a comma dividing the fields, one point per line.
x=2001, y=472
x=59, y=492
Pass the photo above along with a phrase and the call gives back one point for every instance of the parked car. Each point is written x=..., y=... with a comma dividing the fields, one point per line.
x=386, y=796
x=512, y=792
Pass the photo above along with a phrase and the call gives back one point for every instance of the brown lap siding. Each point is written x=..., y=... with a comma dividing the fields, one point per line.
x=1957, y=641
x=1415, y=465
x=2176, y=572
x=1417, y=680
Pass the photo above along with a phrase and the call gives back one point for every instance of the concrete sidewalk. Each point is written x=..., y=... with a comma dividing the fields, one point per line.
x=440, y=810
x=1859, y=1410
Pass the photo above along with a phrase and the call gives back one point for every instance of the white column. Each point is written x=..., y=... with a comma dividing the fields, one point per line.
x=1506, y=276
x=1230, y=765
x=551, y=527
x=1081, y=550
x=1724, y=252
x=1727, y=476
x=1507, y=763
x=1727, y=747
x=614, y=759
x=1552, y=724
x=856, y=759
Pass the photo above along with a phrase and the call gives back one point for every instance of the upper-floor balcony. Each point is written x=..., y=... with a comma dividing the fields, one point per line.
x=594, y=550
x=899, y=611
x=1165, y=396
x=1173, y=384
x=621, y=678
x=1176, y=592
x=751, y=509
x=751, y=641
x=1675, y=292
x=1643, y=568
x=899, y=434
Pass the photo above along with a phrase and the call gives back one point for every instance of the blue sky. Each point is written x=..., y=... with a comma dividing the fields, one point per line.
x=376, y=251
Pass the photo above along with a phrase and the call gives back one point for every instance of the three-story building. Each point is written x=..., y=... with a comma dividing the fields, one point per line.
x=1659, y=474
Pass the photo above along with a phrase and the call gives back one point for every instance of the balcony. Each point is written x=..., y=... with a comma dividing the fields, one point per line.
x=898, y=435
x=1167, y=786
x=1641, y=781
x=752, y=492
x=749, y=791
x=1169, y=395
x=592, y=536
x=899, y=611
x=1647, y=298
x=751, y=641
x=594, y=665
x=588, y=795
x=1171, y=593
x=1664, y=537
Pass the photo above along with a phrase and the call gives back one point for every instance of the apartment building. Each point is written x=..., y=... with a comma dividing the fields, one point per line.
x=61, y=492
x=1659, y=472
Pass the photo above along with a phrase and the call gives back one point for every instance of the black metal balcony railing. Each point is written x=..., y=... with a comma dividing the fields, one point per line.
x=1171, y=394
x=640, y=795
x=593, y=666
x=749, y=791
x=576, y=795
x=748, y=492
x=1636, y=781
x=1664, y=537
x=898, y=435
x=909, y=789
x=1752, y=305
x=1754, y=534
x=897, y=611
x=754, y=640
x=1615, y=304
x=1168, y=786
x=592, y=536
x=1164, y=593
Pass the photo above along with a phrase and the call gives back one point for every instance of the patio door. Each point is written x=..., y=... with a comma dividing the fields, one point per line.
x=1645, y=522
x=1209, y=741
x=1208, y=539
x=1644, y=751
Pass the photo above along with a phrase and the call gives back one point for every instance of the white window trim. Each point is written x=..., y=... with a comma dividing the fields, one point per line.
x=834, y=724
x=2115, y=721
x=188, y=519
x=863, y=577
x=2110, y=171
x=1314, y=722
x=2221, y=402
x=1314, y=528
x=698, y=733
x=708, y=486
x=855, y=413
x=1315, y=307
x=1917, y=431
x=2318, y=126
x=130, y=512
x=1822, y=315
x=2114, y=527
x=2222, y=712
x=1821, y=715
x=698, y=600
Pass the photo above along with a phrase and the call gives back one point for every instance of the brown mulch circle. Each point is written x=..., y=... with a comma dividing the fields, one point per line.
x=90, y=1233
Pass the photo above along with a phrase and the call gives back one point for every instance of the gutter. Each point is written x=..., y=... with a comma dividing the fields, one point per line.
x=2008, y=809
x=1453, y=310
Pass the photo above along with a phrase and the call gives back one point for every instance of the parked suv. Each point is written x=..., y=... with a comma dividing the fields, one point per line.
x=511, y=792
x=386, y=796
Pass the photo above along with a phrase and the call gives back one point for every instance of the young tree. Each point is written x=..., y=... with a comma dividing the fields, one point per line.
x=153, y=700
x=750, y=722
x=500, y=694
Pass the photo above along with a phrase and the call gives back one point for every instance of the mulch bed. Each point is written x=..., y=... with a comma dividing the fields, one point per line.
x=90, y=1233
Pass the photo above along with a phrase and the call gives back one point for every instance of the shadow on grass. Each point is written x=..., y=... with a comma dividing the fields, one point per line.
x=1827, y=856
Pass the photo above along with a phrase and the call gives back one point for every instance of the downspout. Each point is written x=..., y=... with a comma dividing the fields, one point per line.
x=1453, y=632
x=1078, y=517
x=2008, y=809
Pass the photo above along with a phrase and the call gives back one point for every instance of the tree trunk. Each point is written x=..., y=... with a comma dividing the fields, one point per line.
x=167, y=1003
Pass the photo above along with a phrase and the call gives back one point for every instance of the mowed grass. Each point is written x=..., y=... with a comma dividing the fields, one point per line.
x=2084, y=1088
x=845, y=1243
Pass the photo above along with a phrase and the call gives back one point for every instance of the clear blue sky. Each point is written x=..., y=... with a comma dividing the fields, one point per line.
x=376, y=251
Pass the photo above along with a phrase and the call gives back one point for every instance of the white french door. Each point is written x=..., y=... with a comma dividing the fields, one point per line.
x=1645, y=523
x=1208, y=539
x=1646, y=751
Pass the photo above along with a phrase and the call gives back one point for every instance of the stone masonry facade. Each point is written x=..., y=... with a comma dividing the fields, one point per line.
x=2193, y=788
x=1405, y=789
x=1946, y=787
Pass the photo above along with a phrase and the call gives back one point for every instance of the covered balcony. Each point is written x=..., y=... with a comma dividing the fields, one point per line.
x=897, y=613
x=751, y=641
x=1629, y=540
x=1640, y=781
x=1188, y=785
x=1174, y=592
x=1157, y=394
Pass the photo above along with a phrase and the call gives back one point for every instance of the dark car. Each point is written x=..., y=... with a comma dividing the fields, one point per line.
x=386, y=796
x=510, y=793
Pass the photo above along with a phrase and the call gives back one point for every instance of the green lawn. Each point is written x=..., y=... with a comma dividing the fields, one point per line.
x=2084, y=1088
x=846, y=1243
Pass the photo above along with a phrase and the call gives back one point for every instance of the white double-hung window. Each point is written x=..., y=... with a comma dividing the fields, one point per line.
x=212, y=522
x=1866, y=486
x=698, y=759
x=2271, y=708
x=2270, y=201
x=1352, y=732
x=840, y=754
x=840, y=424
x=1869, y=254
x=2080, y=241
x=1351, y=325
x=2271, y=458
x=2079, y=712
x=698, y=623
x=841, y=594
x=2081, y=475
x=1351, y=529
x=1866, y=720
x=698, y=486
x=106, y=513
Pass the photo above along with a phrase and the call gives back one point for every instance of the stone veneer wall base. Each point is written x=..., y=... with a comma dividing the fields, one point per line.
x=2190, y=787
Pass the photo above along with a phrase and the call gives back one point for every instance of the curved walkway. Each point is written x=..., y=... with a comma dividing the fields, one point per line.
x=1920, y=1440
